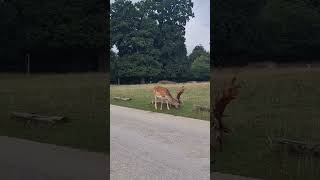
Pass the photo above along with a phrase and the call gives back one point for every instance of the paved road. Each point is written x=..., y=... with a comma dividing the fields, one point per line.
x=152, y=146
x=220, y=176
x=26, y=160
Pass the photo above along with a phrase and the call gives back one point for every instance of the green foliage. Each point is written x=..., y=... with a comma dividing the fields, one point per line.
x=196, y=52
x=201, y=67
x=149, y=35
x=113, y=65
x=248, y=30
x=35, y=26
x=293, y=27
x=138, y=65
x=200, y=59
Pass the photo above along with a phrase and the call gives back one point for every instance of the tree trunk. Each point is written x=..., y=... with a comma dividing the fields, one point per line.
x=102, y=61
x=28, y=63
x=142, y=81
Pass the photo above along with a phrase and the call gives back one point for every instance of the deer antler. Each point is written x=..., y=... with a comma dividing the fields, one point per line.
x=179, y=93
x=229, y=93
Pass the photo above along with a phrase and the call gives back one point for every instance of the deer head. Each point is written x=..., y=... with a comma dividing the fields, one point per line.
x=229, y=93
x=176, y=103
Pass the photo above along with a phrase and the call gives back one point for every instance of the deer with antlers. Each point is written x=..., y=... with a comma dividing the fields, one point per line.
x=164, y=95
x=229, y=93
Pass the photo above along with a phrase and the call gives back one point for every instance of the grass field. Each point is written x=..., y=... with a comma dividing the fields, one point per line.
x=195, y=94
x=277, y=103
x=80, y=97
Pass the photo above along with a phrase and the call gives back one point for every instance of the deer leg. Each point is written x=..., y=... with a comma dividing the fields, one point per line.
x=168, y=105
x=224, y=128
x=161, y=104
x=220, y=143
x=155, y=102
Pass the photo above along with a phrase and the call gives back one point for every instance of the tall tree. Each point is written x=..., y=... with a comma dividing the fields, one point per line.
x=171, y=17
x=114, y=66
x=150, y=36
x=201, y=64
x=54, y=27
x=280, y=30
x=132, y=32
x=196, y=52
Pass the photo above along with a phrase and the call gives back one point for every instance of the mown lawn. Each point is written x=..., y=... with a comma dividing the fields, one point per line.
x=195, y=94
x=80, y=97
x=276, y=103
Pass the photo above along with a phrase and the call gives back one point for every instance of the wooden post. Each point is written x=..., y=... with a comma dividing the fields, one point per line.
x=102, y=61
x=142, y=81
x=28, y=63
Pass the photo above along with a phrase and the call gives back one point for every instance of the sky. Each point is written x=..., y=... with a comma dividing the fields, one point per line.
x=197, y=28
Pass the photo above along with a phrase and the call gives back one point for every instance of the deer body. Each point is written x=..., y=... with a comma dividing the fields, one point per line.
x=163, y=94
x=229, y=93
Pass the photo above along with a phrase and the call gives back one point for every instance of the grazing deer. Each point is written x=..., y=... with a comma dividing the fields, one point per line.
x=163, y=94
x=229, y=93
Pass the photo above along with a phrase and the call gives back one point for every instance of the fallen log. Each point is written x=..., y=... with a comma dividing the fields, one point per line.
x=296, y=146
x=201, y=108
x=122, y=98
x=166, y=82
x=28, y=118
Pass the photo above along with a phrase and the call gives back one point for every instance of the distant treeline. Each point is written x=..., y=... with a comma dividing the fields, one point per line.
x=150, y=38
x=265, y=30
x=57, y=36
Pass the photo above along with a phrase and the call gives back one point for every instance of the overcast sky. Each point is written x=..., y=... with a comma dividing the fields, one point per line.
x=198, y=28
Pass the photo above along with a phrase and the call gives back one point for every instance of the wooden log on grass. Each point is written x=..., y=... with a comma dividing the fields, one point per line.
x=200, y=108
x=297, y=146
x=122, y=98
x=28, y=118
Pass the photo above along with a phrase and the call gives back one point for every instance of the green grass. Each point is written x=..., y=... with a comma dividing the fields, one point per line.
x=278, y=103
x=195, y=94
x=80, y=97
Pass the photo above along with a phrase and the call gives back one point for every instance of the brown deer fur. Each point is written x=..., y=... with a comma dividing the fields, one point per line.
x=164, y=94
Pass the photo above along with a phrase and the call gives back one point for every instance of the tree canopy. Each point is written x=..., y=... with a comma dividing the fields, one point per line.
x=279, y=30
x=200, y=68
x=150, y=38
x=51, y=27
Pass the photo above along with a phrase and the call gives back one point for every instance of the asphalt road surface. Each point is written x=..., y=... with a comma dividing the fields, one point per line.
x=220, y=176
x=153, y=146
x=27, y=160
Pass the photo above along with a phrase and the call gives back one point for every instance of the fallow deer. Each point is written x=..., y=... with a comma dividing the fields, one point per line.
x=164, y=94
x=229, y=93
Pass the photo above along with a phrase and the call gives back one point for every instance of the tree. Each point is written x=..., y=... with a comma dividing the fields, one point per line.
x=132, y=32
x=171, y=17
x=53, y=28
x=196, y=52
x=249, y=30
x=138, y=66
x=293, y=28
x=201, y=67
x=114, y=66
x=150, y=37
